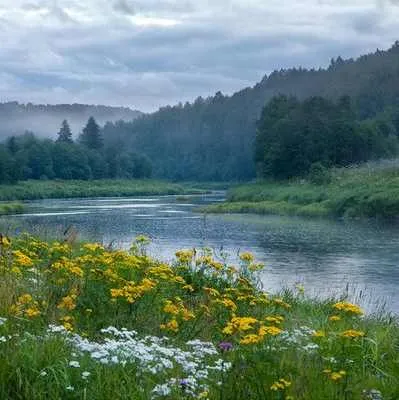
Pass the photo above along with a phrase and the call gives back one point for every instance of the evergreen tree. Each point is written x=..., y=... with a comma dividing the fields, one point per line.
x=65, y=134
x=91, y=136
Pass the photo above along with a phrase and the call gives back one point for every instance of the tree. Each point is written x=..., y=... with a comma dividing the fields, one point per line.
x=91, y=136
x=65, y=134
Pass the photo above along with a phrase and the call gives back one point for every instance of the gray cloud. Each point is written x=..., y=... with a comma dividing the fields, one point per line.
x=149, y=53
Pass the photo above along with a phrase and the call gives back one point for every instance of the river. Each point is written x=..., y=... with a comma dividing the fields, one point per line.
x=326, y=256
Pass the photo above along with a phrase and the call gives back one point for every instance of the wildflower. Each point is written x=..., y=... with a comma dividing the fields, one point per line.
x=68, y=303
x=352, y=333
x=43, y=373
x=74, y=364
x=172, y=325
x=319, y=334
x=246, y=257
x=85, y=375
x=281, y=303
x=281, y=384
x=225, y=346
x=32, y=312
x=251, y=339
x=70, y=388
x=269, y=330
x=335, y=318
x=185, y=256
x=348, y=308
x=277, y=319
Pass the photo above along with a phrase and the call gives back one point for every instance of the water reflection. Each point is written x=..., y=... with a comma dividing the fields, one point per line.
x=324, y=255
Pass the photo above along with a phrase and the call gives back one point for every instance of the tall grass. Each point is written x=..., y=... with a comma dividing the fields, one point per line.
x=86, y=322
x=11, y=208
x=368, y=190
x=34, y=189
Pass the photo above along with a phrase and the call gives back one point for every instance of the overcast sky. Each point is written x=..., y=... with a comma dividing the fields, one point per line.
x=149, y=53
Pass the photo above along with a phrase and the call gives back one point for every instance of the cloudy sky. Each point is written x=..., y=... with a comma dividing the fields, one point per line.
x=149, y=53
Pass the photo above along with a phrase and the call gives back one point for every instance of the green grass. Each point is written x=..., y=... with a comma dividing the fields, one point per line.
x=11, y=208
x=370, y=190
x=34, y=189
x=79, y=289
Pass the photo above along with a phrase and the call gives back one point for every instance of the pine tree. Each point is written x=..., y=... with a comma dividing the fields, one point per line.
x=91, y=136
x=65, y=134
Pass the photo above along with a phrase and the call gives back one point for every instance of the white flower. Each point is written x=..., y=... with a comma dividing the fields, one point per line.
x=2, y=321
x=3, y=339
x=43, y=373
x=70, y=388
x=85, y=375
x=74, y=364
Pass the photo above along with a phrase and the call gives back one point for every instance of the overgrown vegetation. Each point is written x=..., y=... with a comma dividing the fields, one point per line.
x=11, y=208
x=90, y=322
x=368, y=190
x=31, y=190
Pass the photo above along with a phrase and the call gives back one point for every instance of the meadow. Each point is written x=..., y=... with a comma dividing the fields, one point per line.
x=45, y=189
x=367, y=190
x=85, y=321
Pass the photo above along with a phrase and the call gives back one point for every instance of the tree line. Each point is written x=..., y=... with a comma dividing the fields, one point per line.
x=297, y=137
x=213, y=138
x=29, y=157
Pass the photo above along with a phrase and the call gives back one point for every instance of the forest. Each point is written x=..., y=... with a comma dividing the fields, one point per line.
x=290, y=122
x=29, y=157
x=214, y=138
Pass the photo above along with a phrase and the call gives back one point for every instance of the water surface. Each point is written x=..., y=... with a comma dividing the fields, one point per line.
x=326, y=256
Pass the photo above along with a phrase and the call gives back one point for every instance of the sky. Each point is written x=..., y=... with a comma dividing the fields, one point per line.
x=149, y=53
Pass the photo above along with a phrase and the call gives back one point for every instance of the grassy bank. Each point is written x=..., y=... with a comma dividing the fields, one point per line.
x=84, y=322
x=11, y=208
x=31, y=190
x=370, y=190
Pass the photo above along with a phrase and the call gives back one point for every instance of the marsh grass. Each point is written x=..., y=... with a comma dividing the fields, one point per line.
x=368, y=190
x=203, y=330
x=35, y=189
x=11, y=208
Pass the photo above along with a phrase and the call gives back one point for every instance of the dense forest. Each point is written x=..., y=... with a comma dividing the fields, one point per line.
x=296, y=137
x=16, y=118
x=29, y=157
x=214, y=138
x=346, y=113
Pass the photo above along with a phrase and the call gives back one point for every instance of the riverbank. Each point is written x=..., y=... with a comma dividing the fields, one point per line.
x=34, y=189
x=194, y=329
x=11, y=208
x=370, y=190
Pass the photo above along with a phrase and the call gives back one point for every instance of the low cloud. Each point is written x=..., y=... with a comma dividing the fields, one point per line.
x=149, y=53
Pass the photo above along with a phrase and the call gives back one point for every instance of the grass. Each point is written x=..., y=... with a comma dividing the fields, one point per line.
x=11, y=208
x=34, y=189
x=80, y=321
x=370, y=190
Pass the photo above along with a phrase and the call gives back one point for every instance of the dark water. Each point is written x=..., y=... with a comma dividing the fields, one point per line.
x=325, y=256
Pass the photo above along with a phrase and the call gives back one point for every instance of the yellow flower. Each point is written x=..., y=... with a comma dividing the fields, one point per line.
x=269, y=330
x=185, y=256
x=335, y=376
x=247, y=257
x=281, y=303
x=348, y=308
x=334, y=318
x=277, y=319
x=172, y=325
x=171, y=308
x=319, y=334
x=281, y=384
x=352, y=333
x=32, y=312
x=251, y=339
x=68, y=303
x=22, y=259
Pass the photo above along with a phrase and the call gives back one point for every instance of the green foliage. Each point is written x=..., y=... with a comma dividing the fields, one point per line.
x=292, y=136
x=319, y=174
x=91, y=136
x=85, y=322
x=213, y=138
x=65, y=134
x=11, y=208
x=30, y=190
x=368, y=190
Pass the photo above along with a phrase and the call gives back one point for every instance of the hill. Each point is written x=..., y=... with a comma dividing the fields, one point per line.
x=213, y=138
x=45, y=120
